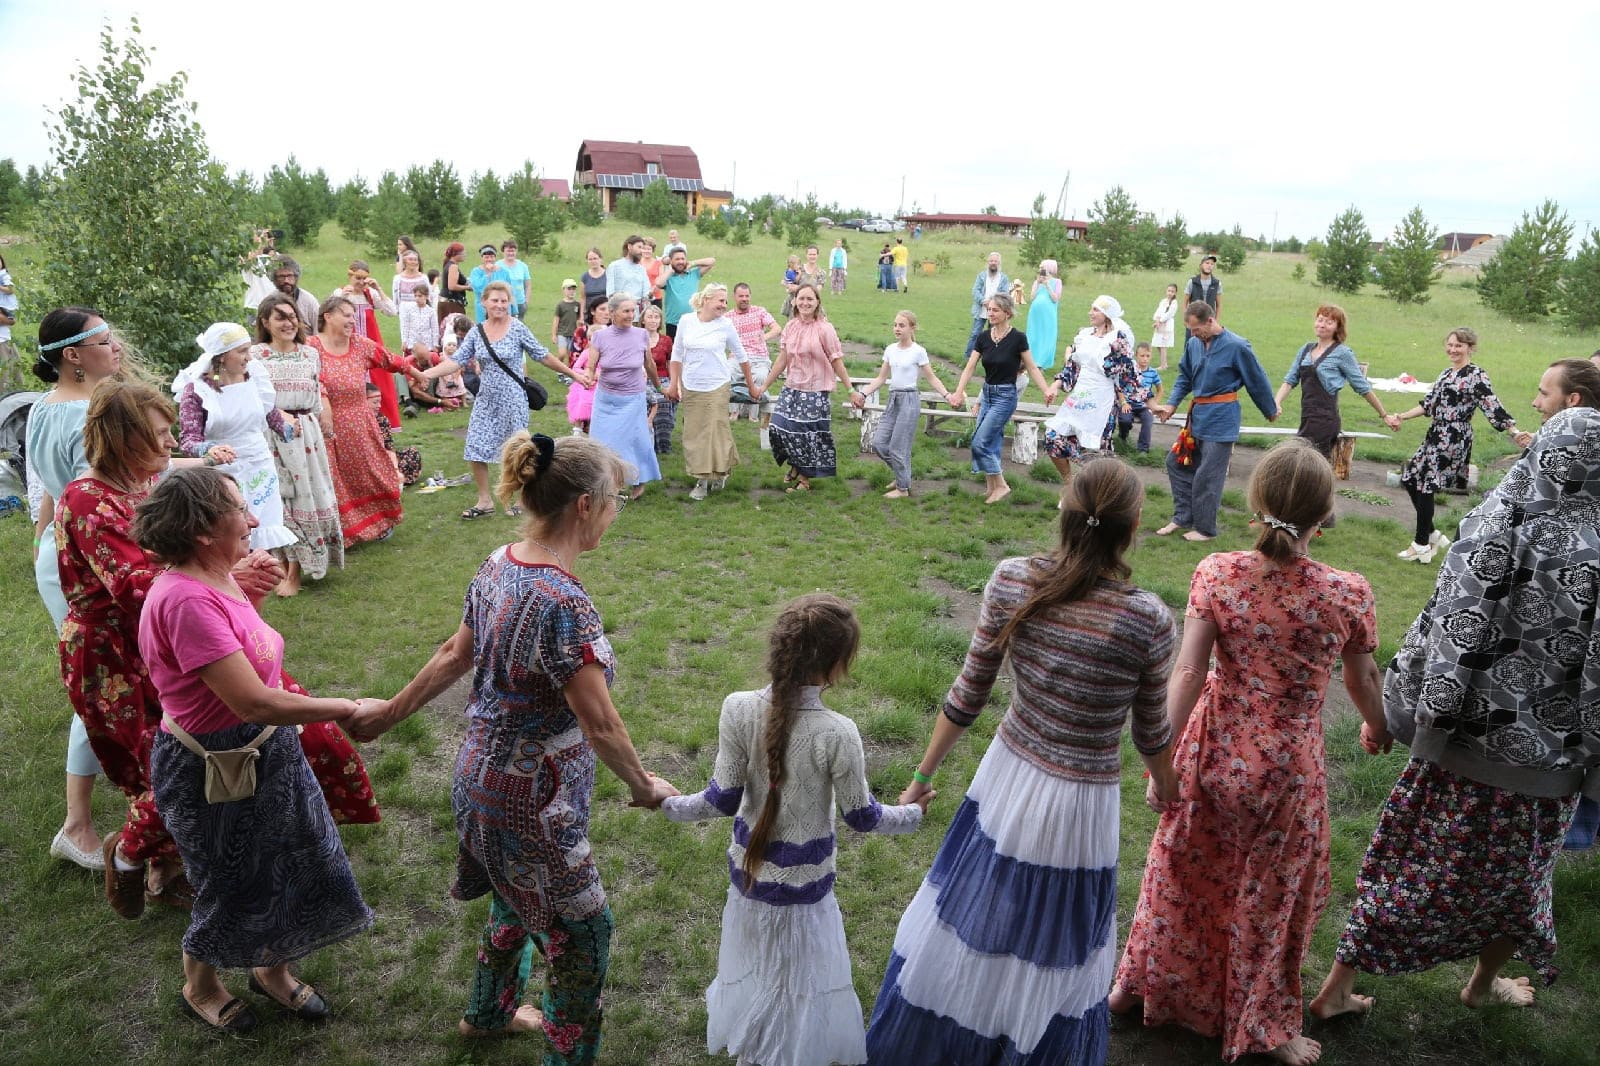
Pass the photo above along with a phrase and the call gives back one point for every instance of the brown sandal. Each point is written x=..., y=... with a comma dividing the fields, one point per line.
x=177, y=893
x=234, y=1017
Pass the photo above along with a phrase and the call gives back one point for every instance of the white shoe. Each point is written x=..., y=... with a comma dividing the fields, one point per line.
x=1438, y=540
x=1426, y=554
x=766, y=438
x=63, y=848
x=577, y=431
x=699, y=490
x=1412, y=552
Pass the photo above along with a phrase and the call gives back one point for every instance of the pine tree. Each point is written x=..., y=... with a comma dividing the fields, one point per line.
x=1579, y=297
x=1522, y=279
x=1409, y=263
x=1111, y=224
x=391, y=213
x=353, y=208
x=1342, y=266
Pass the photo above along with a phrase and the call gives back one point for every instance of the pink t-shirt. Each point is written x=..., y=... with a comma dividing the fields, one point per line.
x=187, y=625
x=812, y=347
x=752, y=326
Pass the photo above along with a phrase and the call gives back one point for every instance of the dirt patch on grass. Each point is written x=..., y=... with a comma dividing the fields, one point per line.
x=961, y=606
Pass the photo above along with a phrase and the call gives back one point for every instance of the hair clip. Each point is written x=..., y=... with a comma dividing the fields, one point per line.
x=1091, y=521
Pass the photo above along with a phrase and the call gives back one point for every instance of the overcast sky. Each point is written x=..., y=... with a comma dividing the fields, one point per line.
x=1258, y=113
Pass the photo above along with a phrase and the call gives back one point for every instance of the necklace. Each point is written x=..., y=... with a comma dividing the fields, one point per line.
x=998, y=337
x=550, y=552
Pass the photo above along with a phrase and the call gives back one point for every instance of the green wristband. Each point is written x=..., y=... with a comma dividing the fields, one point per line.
x=921, y=778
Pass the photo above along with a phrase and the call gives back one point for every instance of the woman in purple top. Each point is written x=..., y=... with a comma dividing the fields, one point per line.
x=621, y=416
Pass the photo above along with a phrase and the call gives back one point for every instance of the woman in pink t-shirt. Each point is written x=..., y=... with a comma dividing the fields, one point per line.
x=270, y=878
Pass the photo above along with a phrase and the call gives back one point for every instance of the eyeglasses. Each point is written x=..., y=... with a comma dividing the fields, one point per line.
x=622, y=499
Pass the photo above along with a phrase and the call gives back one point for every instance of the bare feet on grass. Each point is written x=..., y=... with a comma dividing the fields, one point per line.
x=1332, y=1004
x=528, y=1019
x=997, y=495
x=1121, y=1001
x=1500, y=992
x=1301, y=1051
x=1168, y=530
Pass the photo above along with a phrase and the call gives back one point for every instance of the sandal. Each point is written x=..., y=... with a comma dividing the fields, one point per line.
x=234, y=1017
x=791, y=476
x=799, y=486
x=514, y=511
x=304, y=1002
x=476, y=512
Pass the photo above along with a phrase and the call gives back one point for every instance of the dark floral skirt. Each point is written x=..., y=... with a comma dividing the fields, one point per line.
x=802, y=433
x=1452, y=866
x=271, y=879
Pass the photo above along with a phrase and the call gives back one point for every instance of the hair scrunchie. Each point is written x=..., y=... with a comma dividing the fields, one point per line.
x=547, y=452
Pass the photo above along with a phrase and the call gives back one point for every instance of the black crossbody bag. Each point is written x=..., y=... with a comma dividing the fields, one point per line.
x=537, y=395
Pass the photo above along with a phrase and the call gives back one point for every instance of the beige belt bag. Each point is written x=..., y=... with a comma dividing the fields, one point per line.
x=231, y=774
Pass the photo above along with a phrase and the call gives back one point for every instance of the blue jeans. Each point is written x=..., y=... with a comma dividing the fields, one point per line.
x=978, y=325
x=1585, y=825
x=1146, y=420
x=995, y=406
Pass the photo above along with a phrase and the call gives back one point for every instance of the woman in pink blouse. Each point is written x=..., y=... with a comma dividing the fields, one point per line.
x=802, y=421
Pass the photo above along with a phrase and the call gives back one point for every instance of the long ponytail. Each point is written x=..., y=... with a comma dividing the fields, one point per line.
x=813, y=641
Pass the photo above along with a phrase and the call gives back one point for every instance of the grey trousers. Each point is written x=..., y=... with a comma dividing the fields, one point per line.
x=1197, y=488
x=895, y=433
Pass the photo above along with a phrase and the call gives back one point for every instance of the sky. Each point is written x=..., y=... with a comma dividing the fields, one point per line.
x=1271, y=116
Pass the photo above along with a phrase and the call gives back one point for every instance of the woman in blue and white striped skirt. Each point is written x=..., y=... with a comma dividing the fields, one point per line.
x=1007, y=951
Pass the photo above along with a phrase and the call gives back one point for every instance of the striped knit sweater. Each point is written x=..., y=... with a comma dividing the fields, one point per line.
x=824, y=767
x=1079, y=668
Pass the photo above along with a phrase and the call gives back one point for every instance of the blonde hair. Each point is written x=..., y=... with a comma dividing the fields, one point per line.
x=497, y=286
x=1292, y=486
x=911, y=321
x=700, y=297
x=547, y=476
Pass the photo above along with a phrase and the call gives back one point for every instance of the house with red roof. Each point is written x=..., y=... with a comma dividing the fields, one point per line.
x=1011, y=225
x=618, y=168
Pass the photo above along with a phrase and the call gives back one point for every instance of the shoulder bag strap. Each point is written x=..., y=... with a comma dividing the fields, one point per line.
x=484, y=336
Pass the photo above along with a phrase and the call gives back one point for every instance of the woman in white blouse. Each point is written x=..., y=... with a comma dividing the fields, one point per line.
x=1162, y=325
x=700, y=385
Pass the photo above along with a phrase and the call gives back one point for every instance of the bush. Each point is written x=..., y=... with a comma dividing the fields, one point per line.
x=586, y=208
x=1409, y=265
x=1342, y=266
x=1299, y=272
x=1523, y=279
x=711, y=225
x=138, y=220
x=655, y=207
x=1231, y=254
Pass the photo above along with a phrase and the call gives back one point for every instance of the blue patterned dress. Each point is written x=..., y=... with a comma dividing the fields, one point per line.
x=502, y=407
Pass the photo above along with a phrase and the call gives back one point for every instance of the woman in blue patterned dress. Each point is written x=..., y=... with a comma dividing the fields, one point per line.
x=502, y=406
x=1442, y=459
x=539, y=714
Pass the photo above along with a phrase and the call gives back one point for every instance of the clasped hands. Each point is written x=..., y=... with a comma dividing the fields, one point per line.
x=257, y=574
x=919, y=793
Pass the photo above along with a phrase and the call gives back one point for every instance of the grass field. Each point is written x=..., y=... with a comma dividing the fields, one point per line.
x=686, y=591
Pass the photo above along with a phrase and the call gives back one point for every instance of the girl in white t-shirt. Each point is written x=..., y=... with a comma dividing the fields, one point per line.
x=902, y=362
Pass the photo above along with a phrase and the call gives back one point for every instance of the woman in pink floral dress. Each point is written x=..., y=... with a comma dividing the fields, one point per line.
x=1238, y=869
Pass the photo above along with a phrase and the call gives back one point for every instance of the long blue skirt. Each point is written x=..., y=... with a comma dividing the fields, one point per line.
x=622, y=423
x=271, y=879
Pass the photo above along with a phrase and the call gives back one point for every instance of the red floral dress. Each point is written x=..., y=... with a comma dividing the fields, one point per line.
x=1238, y=874
x=365, y=481
x=104, y=577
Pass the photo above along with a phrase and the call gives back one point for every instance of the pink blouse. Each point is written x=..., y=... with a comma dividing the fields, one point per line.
x=811, y=346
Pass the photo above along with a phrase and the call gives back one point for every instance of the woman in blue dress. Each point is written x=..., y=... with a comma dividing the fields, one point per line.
x=1043, y=315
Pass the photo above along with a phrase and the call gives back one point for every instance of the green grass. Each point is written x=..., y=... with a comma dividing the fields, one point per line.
x=687, y=591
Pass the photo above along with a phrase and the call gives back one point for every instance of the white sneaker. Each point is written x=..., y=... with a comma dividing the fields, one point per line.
x=577, y=431
x=1412, y=552
x=766, y=438
x=699, y=490
x=1438, y=540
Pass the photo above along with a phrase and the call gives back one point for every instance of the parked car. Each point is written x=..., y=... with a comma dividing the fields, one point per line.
x=824, y=221
x=877, y=225
x=853, y=223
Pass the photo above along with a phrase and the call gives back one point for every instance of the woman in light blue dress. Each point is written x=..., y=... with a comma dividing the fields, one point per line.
x=1043, y=315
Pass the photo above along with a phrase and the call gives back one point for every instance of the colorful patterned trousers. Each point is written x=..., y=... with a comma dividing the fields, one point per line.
x=576, y=955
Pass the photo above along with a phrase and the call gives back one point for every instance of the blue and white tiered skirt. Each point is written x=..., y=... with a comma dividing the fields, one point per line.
x=1007, y=951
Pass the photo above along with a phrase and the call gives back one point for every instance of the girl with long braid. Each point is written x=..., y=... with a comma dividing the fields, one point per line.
x=783, y=994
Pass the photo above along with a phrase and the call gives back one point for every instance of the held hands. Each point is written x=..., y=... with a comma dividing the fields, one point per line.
x=1375, y=742
x=1392, y=421
x=958, y=400
x=672, y=394
x=369, y=720
x=1050, y=392
x=920, y=794
x=221, y=455
x=1162, y=791
x=857, y=400
x=1522, y=438
x=257, y=574
x=1162, y=411
x=655, y=790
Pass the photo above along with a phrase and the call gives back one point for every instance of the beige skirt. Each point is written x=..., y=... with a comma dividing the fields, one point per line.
x=708, y=448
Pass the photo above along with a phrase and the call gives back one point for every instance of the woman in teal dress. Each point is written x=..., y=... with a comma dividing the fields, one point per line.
x=1043, y=314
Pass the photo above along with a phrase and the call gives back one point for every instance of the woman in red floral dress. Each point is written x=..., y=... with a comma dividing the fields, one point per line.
x=366, y=482
x=1238, y=870
x=127, y=440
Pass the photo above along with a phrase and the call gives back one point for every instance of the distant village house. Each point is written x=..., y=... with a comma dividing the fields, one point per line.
x=1010, y=225
x=624, y=168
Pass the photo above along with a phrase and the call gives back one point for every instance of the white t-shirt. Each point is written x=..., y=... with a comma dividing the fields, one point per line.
x=702, y=348
x=905, y=364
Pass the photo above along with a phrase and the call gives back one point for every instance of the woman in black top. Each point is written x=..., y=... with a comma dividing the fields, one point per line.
x=453, y=285
x=594, y=279
x=1005, y=356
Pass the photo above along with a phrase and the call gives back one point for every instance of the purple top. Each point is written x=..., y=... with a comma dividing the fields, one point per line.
x=621, y=354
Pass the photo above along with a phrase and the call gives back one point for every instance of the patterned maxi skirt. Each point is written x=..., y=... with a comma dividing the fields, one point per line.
x=272, y=883
x=802, y=433
x=1452, y=866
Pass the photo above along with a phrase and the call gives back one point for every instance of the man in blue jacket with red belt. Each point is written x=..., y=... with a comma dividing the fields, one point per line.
x=1215, y=365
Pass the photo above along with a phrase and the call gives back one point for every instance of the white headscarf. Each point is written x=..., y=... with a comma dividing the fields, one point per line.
x=1108, y=306
x=219, y=339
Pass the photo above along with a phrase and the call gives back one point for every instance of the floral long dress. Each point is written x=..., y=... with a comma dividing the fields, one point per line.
x=305, y=478
x=365, y=481
x=1442, y=458
x=1238, y=873
x=105, y=576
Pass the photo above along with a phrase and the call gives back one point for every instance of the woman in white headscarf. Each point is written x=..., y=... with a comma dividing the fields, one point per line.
x=226, y=397
x=1100, y=379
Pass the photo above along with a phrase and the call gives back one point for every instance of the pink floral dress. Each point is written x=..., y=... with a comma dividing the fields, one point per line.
x=1237, y=874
